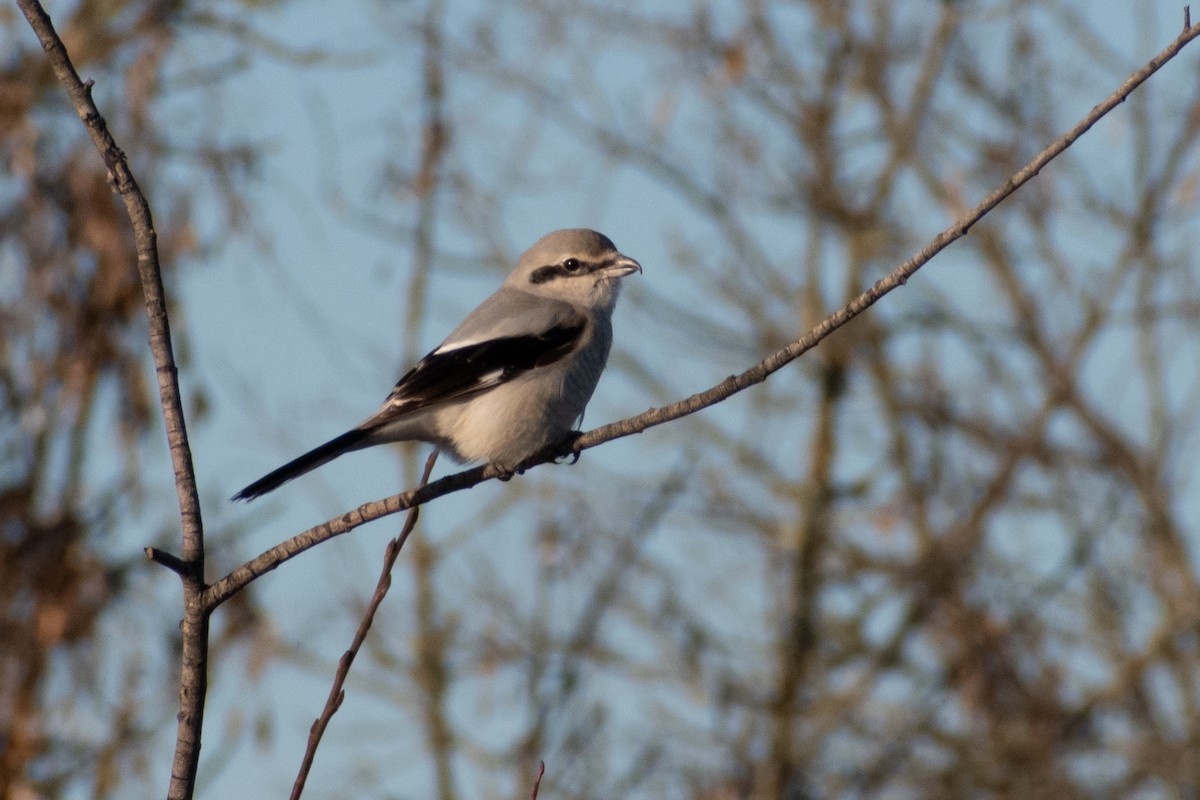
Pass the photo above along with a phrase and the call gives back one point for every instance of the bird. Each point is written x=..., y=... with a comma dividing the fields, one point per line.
x=516, y=374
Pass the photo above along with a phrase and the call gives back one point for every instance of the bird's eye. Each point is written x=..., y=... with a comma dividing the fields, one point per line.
x=572, y=265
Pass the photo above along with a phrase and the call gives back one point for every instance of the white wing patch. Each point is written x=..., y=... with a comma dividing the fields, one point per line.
x=459, y=344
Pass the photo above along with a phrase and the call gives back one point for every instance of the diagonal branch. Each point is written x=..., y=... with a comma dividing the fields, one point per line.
x=149, y=271
x=240, y=577
x=193, y=680
x=336, y=692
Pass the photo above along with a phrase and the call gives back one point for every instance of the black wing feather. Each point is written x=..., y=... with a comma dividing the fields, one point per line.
x=463, y=371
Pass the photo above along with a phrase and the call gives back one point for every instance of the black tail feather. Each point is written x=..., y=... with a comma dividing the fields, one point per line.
x=350, y=440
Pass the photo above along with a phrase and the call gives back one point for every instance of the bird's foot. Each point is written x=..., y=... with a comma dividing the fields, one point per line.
x=566, y=448
x=508, y=471
x=556, y=452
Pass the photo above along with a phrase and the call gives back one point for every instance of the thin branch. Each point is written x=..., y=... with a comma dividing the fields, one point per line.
x=240, y=577
x=193, y=680
x=336, y=692
x=537, y=783
x=148, y=268
x=168, y=560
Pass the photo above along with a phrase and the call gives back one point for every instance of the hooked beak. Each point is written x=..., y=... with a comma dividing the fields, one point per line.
x=624, y=265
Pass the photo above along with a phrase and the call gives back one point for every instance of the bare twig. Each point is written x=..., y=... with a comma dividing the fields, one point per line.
x=236, y=580
x=537, y=783
x=168, y=560
x=193, y=682
x=336, y=692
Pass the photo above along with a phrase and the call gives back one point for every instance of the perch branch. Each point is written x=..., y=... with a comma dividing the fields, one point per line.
x=270, y=559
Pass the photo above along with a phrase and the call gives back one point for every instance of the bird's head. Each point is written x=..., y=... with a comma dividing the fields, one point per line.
x=577, y=266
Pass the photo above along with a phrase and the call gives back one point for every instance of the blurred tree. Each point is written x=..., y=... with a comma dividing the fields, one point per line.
x=953, y=553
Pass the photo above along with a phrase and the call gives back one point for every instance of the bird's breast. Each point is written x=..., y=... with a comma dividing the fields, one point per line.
x=517, y=419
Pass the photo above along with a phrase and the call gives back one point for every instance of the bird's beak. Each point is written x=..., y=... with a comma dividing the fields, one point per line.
x=624, y=265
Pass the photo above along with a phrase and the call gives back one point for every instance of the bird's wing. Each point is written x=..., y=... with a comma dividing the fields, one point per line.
x=507, y=312
x=466, y=365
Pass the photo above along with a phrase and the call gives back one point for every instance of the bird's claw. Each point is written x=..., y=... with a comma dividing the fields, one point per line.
x=557, y=453
x=508, y=473
x=567, y=448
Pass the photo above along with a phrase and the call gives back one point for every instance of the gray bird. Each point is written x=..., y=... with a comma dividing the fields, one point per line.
x=514, y=377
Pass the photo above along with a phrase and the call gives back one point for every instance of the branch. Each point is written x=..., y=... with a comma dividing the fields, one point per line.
x=537, y=783
x=336, y=693
x=193, y=680
x=240, y=577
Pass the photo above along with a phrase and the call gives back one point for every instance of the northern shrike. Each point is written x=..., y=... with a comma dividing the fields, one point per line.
x=513, y=377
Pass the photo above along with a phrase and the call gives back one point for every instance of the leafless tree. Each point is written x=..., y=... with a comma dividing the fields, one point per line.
x=949, y=552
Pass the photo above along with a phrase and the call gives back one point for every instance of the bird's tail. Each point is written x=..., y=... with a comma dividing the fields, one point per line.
x=350, y=440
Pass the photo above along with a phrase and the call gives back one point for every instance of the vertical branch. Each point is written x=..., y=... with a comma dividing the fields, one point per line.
x=798, y=637
x=193, y=684
x=431, y=667
x=428, y=178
